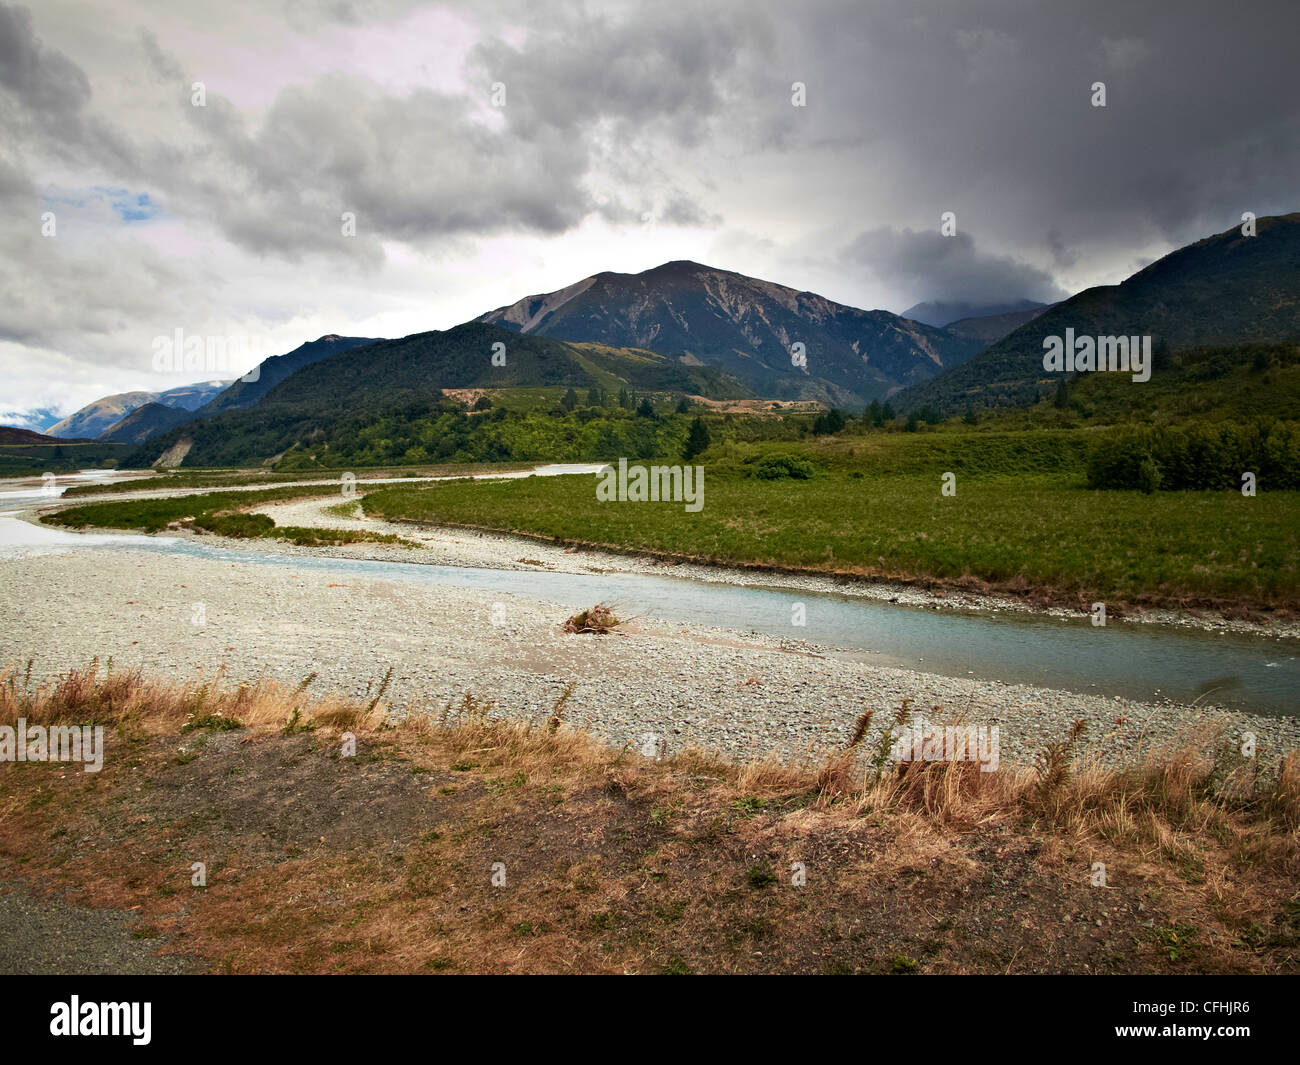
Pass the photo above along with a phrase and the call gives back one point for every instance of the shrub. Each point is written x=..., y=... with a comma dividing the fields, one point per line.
x=1148, y=474
x=238, y=525
x=1198, y=456
x=776, y=467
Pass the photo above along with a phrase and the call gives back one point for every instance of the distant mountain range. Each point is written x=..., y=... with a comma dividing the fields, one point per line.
x=693, y=329
x=700, y=315
x=404, y=378
x=144, y=422
x=943, y=313
x=991, y=328
x=246, y=393
x=1227, y=289
x=103, y=414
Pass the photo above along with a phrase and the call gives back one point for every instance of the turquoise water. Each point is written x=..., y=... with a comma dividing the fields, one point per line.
x=1256, y=673
x=1261, y=674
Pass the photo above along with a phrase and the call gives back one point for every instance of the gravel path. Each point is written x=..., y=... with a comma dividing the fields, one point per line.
x=47, y=936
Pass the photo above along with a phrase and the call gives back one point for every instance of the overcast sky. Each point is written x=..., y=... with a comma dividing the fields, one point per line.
x=631, y=134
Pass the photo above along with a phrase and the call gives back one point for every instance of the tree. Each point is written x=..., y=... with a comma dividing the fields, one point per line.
x=645, y=409
x=1161, y=356
x=875, y=415
x=970, y=417
x=483, y=403
x=1148, y=475
x=570, y=400
x=1062, y=399
x=697, y=439
x=683, y=405
x=830, y=422
x=593, y=397
x=624, y=400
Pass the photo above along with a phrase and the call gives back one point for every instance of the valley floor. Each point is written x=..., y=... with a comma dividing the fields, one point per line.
x=389, y=857
x=746, y=694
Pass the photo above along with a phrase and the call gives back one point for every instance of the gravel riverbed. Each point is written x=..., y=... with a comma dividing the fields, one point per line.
x=745, y=694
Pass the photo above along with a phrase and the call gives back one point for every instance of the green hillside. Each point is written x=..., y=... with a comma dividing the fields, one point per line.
x=1226, y=289
x=1206, y=384
x=359, y=405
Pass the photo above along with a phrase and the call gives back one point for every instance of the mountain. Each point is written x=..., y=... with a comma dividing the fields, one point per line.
x=1227, y=289
x=991, y=328
x=12, y=435
x=94, y=418
x=180, y=405
x=746, y=327
x=270, y=372
x=383, y=387
x=144, y=422
x=940, y=313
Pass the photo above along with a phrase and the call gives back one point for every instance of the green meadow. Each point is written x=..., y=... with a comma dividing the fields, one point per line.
x=873, y=507
x=1022, y=519
x=224, y=513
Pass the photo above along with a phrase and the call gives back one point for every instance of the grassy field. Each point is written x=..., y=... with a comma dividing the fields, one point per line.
x=215, y=512
x=618, y=864
x=1021, y=520
x=874, y=508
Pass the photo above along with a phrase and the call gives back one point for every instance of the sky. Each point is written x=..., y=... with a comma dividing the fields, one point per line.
x=182, y=165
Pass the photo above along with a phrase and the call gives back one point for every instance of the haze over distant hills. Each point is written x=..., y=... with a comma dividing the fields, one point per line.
x=101, y=415
x=1225, y=289
x=747, y=327
x=991, y=328
x=941, y=313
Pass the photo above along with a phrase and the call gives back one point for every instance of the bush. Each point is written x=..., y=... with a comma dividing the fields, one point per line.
x=238, y=525
x=776, y=467
x=1198, y=457
x=1148, y=474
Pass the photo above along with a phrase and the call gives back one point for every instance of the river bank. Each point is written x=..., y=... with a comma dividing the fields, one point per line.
x=745, y=694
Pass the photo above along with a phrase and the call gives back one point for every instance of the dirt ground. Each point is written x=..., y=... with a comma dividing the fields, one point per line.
x=384, y=862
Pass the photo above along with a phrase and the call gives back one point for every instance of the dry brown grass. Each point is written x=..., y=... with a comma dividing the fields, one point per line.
x=1187, y=787
x=132, y=702
x=1208, y=837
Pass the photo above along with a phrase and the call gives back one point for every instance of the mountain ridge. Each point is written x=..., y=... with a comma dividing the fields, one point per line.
x=102, y=414
x=746, y=326
x=1224, y=289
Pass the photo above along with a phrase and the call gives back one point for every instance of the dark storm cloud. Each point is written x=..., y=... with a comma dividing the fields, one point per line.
x=926, y=263
x=667, y=112
x=984, y=108
x=42, y=80
x=657, y=71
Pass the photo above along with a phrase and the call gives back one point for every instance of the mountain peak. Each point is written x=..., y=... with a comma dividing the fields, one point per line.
x=753, y=329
